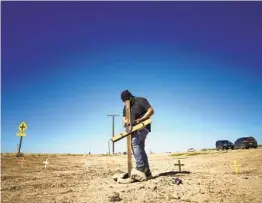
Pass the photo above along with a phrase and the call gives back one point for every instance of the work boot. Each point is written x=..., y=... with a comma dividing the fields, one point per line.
x=149, y=174
x=142, y=169
x=146, y=171
x=138, y=175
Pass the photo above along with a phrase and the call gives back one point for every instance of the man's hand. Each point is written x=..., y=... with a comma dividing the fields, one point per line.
x=138, y=121
x=128, y=130
x=125, y=122
x=147, y=115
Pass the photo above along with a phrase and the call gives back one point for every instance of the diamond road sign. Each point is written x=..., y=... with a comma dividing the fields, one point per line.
x=22, y=127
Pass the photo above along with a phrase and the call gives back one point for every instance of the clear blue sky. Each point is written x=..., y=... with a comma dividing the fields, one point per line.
x=64, y=65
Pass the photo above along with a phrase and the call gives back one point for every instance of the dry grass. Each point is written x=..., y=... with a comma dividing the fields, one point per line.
x=188, y=154
x=208, y=149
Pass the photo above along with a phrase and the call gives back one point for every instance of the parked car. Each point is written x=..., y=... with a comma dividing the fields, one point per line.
x=191, y=150
x=245, y=143
x=224, y=144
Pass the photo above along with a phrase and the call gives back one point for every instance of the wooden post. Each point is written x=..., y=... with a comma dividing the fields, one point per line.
x=129, y=138
x=179, y=165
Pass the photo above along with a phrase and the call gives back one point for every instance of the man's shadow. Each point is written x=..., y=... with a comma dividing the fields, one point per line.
x=170, y=174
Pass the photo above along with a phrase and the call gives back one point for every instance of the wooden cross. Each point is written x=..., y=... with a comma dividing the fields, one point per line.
x=236, y=167
x=129, y=138
x=137, y=127
x=128, y=133
x=179, y=165
x=86, y=164
x=21, y=161
x=111, y=164
x=45, y=162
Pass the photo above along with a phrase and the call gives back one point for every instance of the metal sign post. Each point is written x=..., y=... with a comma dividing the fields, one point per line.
x=22, y=127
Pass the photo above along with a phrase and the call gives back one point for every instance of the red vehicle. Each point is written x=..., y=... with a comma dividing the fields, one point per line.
x=245, y=143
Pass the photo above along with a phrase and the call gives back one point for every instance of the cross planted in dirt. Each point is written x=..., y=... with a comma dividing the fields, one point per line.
x=179, y=165
x=20, y=160
x=236, y=166
x=86, y=164
x=45, y=162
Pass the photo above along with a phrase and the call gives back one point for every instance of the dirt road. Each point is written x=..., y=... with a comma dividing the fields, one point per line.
x=88, y=179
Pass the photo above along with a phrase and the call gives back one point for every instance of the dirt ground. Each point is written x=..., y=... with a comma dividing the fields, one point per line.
x=88, y=179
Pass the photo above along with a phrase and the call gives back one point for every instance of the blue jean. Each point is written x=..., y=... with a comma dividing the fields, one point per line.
x=138, y=144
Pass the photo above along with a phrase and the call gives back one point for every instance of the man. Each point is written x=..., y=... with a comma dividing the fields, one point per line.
x=140, y=110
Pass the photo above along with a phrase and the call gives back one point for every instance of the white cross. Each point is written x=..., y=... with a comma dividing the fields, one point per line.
x=86, y=164
x=45, y=162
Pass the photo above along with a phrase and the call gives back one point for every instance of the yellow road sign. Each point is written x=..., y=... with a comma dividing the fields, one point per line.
x=21, y=134
x=22, y=127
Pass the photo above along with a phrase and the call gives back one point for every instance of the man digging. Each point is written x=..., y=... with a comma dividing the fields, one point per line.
x=140, y=110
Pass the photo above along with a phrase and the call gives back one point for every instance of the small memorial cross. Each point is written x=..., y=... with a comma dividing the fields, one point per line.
x=46, y=162
x=179, y=165
x=236, y=167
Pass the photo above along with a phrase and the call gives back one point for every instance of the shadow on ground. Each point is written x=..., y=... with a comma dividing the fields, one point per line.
x=172, y=173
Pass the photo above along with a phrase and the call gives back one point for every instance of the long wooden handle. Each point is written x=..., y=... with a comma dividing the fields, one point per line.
x=129, y=138
x=135, y=128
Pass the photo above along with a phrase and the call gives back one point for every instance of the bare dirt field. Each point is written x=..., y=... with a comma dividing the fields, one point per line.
x=209, y=177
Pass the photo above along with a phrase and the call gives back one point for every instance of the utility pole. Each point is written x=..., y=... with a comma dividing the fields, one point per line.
x=113, y=131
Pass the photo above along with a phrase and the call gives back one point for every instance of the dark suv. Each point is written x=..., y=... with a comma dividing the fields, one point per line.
x=245, y=143
x=224, y=144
